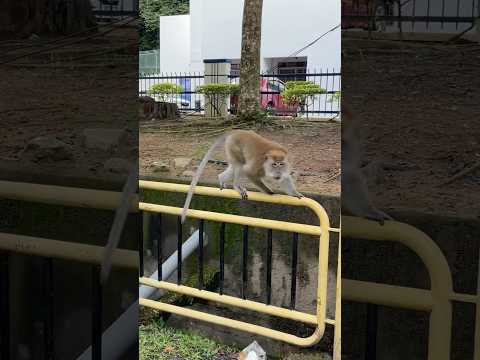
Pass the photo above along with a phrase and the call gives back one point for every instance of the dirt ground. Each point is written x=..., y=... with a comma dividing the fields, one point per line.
x=314, y=149
x=418, y=108
x=66, y=85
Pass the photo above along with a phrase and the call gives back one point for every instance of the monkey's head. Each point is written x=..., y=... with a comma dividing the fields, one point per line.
x=276, y=165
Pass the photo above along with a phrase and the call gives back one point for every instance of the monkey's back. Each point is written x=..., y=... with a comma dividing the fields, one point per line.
x=244, y=146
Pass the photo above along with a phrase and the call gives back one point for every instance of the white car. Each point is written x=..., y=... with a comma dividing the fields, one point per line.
x=175, y=99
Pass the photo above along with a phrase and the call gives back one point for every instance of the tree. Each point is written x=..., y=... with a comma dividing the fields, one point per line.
x=25, y=17
x=249, y=102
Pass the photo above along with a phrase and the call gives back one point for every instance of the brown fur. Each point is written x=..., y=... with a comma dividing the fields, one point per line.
x=246, y=144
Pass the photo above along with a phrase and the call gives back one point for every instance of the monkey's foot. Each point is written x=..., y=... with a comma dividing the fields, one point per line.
x=243, y=194
x=379, y=216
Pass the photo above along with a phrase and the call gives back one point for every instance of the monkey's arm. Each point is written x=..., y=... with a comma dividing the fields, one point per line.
x=258, y=183
x=287, y=186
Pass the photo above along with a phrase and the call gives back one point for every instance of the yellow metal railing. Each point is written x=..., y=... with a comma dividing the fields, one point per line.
x=436, y=301
x=64, y=196
x=318, y=319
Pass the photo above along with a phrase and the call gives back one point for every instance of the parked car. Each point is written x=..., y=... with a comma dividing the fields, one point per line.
x=271, y=98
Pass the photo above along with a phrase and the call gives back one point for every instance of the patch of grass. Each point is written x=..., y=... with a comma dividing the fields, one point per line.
x=159, y=342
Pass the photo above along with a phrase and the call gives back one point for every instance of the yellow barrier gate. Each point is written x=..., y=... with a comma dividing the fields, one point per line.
x=318, y=319
x=436, y=301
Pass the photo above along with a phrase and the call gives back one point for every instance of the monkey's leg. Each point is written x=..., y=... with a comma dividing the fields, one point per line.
x=356, y=198
x=236, y=183
x=258, y=183
x=225, y=176
x=288, y=187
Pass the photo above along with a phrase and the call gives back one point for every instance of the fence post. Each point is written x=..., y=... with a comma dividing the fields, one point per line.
x=216, y=72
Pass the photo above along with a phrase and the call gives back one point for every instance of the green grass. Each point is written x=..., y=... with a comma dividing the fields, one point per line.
x=159, y=342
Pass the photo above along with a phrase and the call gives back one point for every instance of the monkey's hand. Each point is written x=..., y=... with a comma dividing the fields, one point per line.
x=297, y=195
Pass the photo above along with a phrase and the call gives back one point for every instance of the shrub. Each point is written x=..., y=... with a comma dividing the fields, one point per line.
x=298, y=92
x=219, y=89
x=165, y=91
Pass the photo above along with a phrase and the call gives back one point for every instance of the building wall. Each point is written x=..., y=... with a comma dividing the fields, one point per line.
x=215, y=32
x=175, y=43
x=287, y=27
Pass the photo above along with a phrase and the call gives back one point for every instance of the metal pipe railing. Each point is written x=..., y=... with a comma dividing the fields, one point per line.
x=246, y=222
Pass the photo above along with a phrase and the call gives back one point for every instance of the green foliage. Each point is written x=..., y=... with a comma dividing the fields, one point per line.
x=150, y=10
x=298, y=92
x=219, y=89
x=335, y=97
x=165, y=91
x=159, y=342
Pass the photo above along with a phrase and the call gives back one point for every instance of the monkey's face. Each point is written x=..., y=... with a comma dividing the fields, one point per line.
x=276, y=166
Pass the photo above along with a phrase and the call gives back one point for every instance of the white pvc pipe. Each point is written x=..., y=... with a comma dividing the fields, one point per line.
x=124, y=331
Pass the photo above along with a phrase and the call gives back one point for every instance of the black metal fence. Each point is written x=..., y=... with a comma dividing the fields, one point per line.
x=157, y=237
x=108, y=10
x=271, y=87
x=46, y=306
x=410, y=15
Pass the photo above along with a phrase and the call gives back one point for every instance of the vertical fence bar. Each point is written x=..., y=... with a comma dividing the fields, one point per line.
x=179, y=251
x=428, y=14
x=443, y=13
x=159, y=248
x=140, y=245
x=200, y=254
x=293, y=286
x=49, y=319
x=473, y=10
x=4, y=306
x=458, y=14
x=333, y=91
x=371, y=338
x=222, y=257
x=320, y=98
x=269, y=266
x=97, y=310
x=326, y=87
x=413, y=14
x=244, y=262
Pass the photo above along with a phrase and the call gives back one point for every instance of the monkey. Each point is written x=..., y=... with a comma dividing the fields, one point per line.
x=258, y=159
x=355, y=195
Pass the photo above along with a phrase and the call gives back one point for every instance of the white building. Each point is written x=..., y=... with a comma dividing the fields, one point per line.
x=212, y=30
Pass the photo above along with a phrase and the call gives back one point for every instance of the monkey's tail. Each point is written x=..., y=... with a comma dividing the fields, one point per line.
x=199, y=172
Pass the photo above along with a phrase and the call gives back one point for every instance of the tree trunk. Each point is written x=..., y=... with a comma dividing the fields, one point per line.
x=21, y=18
x=151, y=109
x=249, y=102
